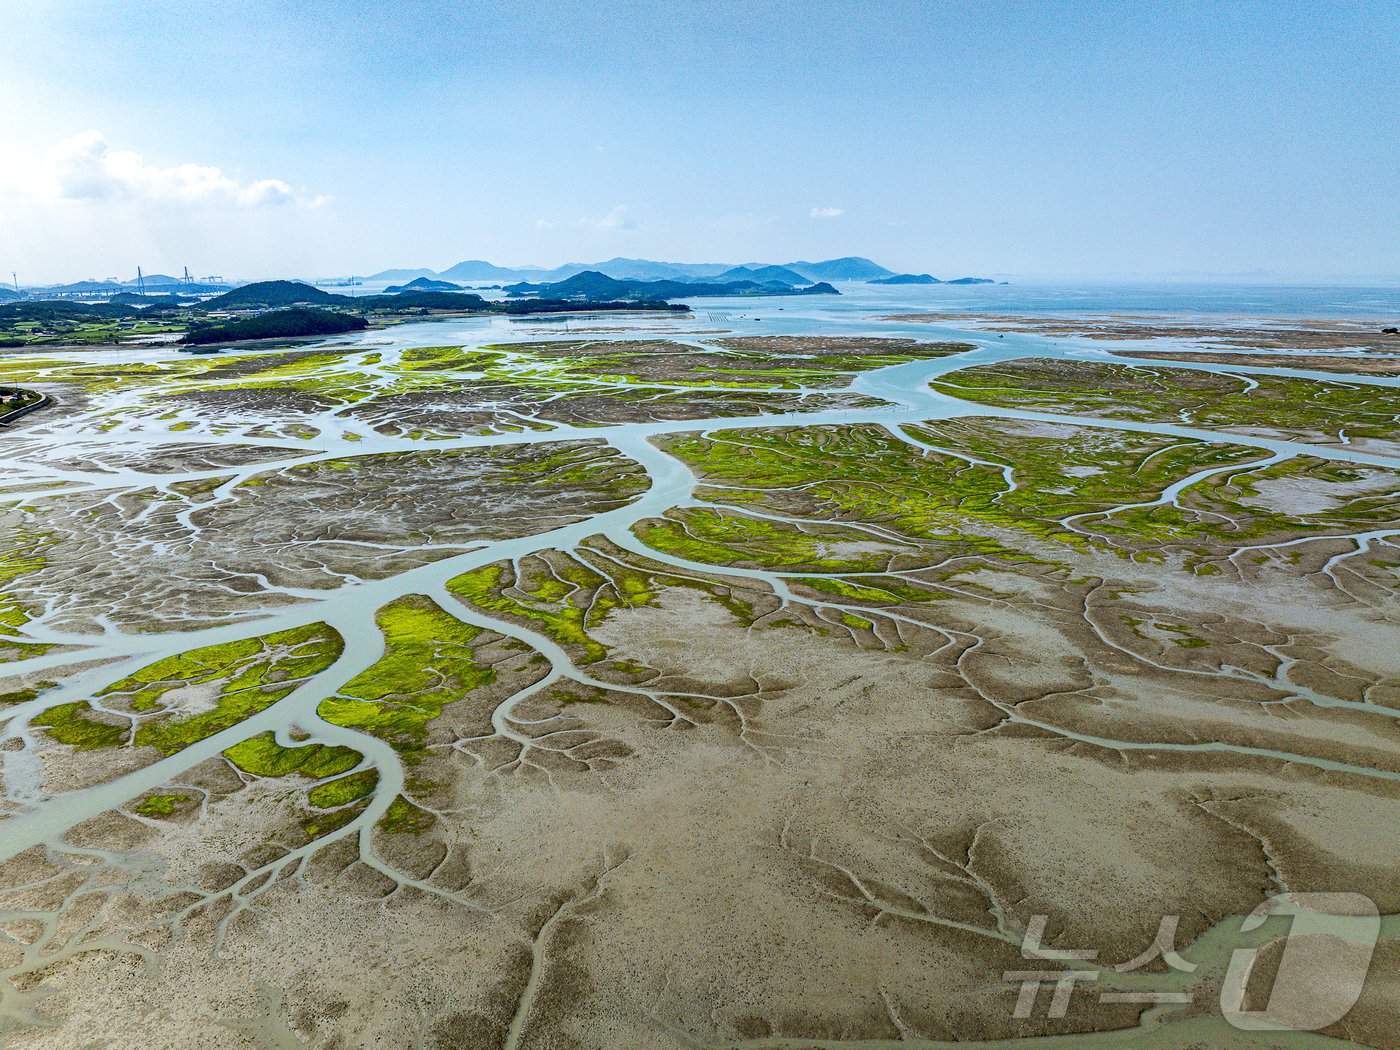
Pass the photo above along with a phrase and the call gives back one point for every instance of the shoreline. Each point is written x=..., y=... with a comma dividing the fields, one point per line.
x=445, y=315
x=15, y=414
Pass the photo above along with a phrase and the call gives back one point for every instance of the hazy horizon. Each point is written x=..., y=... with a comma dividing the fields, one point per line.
x=1257, y=278
x=1034, y=142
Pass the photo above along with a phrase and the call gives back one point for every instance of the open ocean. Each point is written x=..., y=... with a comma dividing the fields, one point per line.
x=1322, y=302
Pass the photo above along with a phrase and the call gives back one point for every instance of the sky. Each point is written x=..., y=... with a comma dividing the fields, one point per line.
x=264, y=138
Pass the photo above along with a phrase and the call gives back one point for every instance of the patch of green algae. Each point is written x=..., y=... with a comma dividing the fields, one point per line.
x=332, y=820
x=563, y=598
x=1236, y=507
x=1192, y=397
x=652, y=363
x=77, y=726
x=162, y=805
x=23, y=558
x=236, y=680
x=958, y=490
x=23, y=696
x=427, y=663
x=404, y=818
x=719, y=538
x=95, y=378
x=543, y=604
x=262, y=756
x=342, y=792
x=447, y=359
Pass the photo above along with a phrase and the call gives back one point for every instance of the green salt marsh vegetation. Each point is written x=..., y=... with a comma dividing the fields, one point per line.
x=1193, y=397
x=429, y=661
x=183, y=699
x=952, y=481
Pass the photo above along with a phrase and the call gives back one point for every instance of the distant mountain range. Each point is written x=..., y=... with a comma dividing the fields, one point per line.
x=281, y=294
x=593, y=285
x=620, y=278
x=761, y=274
x=850, y=268
x=402, y=275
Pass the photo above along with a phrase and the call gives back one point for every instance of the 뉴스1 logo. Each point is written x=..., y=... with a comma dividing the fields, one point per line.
x=1319, y=966
x=1321, y=970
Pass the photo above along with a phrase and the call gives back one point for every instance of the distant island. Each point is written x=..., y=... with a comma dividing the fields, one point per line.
x=906, y=278
x=423, y=284
x=635, y=279
x=666, y=279
x=478, y=271
x=263, y=310
x=159, y=308
x=594, y=285
x=271, y=294
x=923, y=278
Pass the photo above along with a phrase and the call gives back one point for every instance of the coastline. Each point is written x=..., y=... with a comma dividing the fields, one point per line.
x=7, y=418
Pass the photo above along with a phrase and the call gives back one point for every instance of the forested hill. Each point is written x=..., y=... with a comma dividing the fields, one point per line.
x=271, y=293
x=291, y=323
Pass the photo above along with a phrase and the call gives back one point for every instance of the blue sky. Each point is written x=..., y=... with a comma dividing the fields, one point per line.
x=260, y=137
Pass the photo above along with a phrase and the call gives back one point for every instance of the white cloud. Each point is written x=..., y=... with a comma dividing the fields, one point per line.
x=826, y=213
x=619, y=218
x=86, y=168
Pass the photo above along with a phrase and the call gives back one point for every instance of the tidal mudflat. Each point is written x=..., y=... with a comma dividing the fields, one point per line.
x=782, y=684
